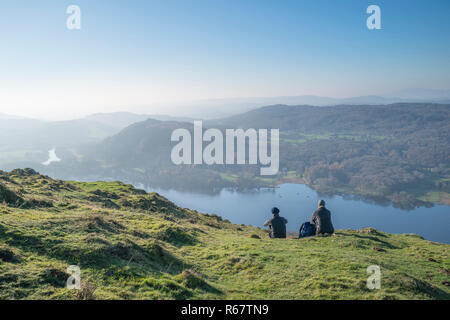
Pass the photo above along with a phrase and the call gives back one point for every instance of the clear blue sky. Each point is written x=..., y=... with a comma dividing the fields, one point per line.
x=144, y=52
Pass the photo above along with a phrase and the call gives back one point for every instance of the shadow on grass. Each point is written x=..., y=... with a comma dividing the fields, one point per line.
x=430, y=290
x=97, y=256
x=372, y=238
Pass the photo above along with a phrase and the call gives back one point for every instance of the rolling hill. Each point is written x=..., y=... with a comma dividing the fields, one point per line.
x=122, y=120
x=395, y=153
x=130, y=244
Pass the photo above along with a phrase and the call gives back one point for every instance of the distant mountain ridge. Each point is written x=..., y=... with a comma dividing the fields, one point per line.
x=220, y=108
x=421, y=94
x=339, y=118
x=396, y=152
x=384, y=152
x=124, y=119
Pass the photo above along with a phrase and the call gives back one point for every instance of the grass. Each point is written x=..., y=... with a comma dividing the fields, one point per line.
x=427, y=191
x=435, y=197
x=135, y=245
x=228, y=177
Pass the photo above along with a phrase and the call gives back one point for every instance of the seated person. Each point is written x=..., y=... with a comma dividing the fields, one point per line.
x=277, y=224
x=321, y=218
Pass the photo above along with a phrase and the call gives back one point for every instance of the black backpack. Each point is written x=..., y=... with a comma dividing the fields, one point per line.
x=306, y=230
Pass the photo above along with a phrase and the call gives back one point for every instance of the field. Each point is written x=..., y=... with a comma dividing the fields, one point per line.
x=135, y=245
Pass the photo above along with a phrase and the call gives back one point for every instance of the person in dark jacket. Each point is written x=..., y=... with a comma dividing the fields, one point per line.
x=321, y=218
x=277, y=224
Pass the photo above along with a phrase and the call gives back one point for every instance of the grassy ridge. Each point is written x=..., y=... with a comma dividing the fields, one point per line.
x=135, y=245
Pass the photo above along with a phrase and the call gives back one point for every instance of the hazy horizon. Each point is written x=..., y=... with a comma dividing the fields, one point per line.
x=181, y=108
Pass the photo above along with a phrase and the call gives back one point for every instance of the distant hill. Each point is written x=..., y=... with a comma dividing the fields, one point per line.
x=26, y=142
x=421, y=94
x=130, y=244
x=342, y=118
x=141, y=153
x=400, y=152
x=19, y=133
x=142, y=142
x=397, y=152
x=220, y=108
x=124, y=119
x=27, y=133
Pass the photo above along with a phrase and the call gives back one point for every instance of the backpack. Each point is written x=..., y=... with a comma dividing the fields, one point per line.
x=306, y=230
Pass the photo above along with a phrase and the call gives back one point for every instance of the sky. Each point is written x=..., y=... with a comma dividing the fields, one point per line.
x=150, y=53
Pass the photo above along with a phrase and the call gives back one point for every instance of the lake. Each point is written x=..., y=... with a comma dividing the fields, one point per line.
x=297, y=202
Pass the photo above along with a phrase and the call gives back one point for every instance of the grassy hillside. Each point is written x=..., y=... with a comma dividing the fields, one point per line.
x=135, y=245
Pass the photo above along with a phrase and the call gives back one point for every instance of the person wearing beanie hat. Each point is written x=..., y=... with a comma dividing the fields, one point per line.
x=277, y=225
x=321, y=218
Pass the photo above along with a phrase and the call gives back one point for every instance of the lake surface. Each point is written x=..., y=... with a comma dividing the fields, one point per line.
x=297, y=202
